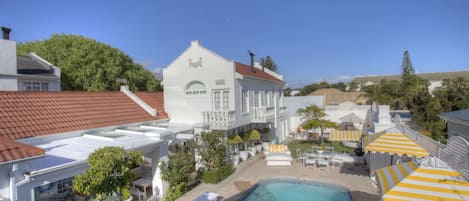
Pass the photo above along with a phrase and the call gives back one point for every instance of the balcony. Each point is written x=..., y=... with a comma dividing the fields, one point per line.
x=219, y=119
x=262, y=114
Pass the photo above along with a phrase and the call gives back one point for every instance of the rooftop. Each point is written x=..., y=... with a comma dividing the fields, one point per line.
x=459, y=115
x=428, y=76
x=249, y=71
x=31, y=114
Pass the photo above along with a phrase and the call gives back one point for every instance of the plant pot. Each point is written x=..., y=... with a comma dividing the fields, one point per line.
x=259, y=147
x=244, y=155
x=265, y=145
x=235, y=160
x=252, y=151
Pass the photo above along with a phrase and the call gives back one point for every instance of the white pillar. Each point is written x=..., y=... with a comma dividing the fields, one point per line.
x=158, y=183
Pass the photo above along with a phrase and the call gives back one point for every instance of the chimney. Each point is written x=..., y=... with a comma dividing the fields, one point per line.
x=252, y=60
x=6, y=33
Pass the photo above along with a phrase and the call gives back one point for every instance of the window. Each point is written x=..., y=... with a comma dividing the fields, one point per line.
x=195, y=88
x=263, y=98
x=35, y=86
x=256, y=99
x=221, y=100
x=217, y=100
x=226, y=100
x=244, y=101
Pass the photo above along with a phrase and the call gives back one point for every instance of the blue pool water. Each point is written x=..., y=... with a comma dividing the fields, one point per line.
x=297, y=190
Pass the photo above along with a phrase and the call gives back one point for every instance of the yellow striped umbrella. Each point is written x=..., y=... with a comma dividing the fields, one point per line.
x=393, y=143
x=410, y=182
x=343, y=135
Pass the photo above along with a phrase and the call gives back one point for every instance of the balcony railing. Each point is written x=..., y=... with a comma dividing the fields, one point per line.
x=262, y=114
x=219, y=119
x=455, y=154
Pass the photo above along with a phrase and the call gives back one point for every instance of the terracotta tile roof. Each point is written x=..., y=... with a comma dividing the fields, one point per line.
x=155, y=100
x=245, y=70
x=334, y=96
x=29, y=114
x=11, y=150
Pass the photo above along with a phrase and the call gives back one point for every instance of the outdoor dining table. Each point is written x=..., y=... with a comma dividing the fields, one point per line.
x=144, y=183
x=318, y=154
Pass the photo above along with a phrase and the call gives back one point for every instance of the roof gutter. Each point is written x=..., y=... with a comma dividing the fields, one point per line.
x=22, y=159
x=140, y=102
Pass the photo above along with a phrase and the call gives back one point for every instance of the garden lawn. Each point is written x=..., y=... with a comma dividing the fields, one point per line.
x=307, y=145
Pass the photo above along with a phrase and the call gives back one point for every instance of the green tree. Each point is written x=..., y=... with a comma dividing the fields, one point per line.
x=407, y=68
x=269, y=63
x=179, y=170
x=353, y=86
x=212, y=150
x=315, y=119
x=109, y=172
x=90, y=65
x=386, y=92
x=453, y=94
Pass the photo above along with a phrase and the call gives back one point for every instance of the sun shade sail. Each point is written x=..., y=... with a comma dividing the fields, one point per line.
x=393, y=143
x=342, y=135
x=408, y=181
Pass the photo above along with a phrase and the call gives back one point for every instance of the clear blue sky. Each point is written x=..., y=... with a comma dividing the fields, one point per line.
x=309, y=40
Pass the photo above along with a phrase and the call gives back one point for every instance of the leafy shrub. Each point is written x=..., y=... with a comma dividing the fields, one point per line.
x=215, y=176
x=176, y=191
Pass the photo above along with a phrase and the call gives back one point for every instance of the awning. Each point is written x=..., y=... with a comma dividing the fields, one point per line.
x=408, y=181
x=393, y=143
x=342, y=135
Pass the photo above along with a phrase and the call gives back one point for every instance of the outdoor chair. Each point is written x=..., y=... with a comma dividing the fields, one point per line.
x=137, y=193
x=322, y=162
x=315, y=147
x=300, y=158
x=337, y=162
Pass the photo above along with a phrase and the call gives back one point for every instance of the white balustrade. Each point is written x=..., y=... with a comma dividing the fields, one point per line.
x=262, y=114
x=220, y=119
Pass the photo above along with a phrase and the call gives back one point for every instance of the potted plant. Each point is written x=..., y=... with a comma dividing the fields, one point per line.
x=245, y=153
x=265, y=131
x=254, y=135
x=234, y=141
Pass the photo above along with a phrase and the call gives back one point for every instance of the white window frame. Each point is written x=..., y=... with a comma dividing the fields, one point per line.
x=195, y=92
x=221, y=99
x=31, y=85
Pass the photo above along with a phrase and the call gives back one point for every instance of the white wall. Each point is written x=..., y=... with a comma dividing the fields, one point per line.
x=188, y=109
x=8, y=65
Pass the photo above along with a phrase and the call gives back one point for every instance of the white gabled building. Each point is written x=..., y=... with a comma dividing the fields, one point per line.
x=25, y=73
x=205, y=89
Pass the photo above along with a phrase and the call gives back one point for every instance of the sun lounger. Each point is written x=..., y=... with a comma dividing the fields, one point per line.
x=208, y=196
x=278, y=155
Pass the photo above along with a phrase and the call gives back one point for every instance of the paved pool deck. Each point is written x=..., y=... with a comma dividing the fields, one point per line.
x=255, y=169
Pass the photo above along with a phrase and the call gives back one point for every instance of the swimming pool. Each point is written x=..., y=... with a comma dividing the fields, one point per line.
x=297, y=190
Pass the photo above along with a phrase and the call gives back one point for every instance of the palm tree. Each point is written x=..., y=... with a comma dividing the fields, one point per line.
x=315, y=119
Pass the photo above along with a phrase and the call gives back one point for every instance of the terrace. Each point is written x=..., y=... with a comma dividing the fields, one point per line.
x=354, y=178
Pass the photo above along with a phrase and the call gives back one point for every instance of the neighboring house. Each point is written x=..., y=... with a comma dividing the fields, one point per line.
x=294, y=92
x=292, y=104
x=436, y=79
x=46, y=137
x=457, y=123
x=25, y=73
x=205, y=89
x=347, y=115
x=334, y=96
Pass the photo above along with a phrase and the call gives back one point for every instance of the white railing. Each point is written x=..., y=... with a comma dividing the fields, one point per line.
x=455, y=153
x=262, y=114
x=354, y=107
x=219, y=119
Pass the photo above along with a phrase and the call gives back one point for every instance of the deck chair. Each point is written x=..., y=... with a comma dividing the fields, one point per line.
x=299, y=157
x=137, y=193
